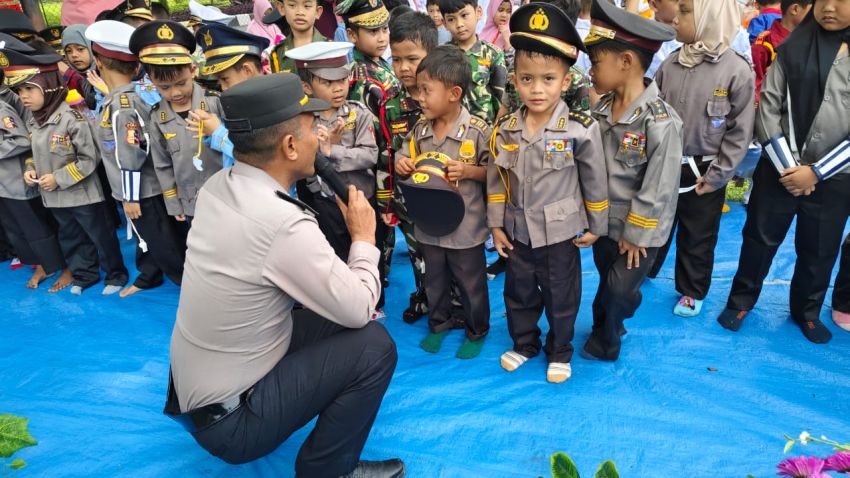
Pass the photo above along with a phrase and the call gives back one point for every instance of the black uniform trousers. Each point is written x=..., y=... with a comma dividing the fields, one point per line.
x=339, y=374
x=166, y=245
x=87, y=238
x=6, y=250
x=467, y=269
x=695, y=228
x=841, y=291
x=617, y=298
x=549, y=278
x=820, y=227
x=31, y=229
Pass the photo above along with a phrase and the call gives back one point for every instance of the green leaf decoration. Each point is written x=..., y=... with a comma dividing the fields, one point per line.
x=17, y=464
x=788, y=446
x=563, y=466
x=14, y=435
x=607, y=470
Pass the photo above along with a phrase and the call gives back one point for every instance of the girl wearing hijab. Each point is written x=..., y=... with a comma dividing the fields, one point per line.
x=78, y=56
x=65, y=156
x=803, y=108
x=712, y=87
x=495, y=28
x=257, y=27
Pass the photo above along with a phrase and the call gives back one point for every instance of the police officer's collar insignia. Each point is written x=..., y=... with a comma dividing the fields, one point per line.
x=460, y=131
x=124, y=102
x=539, y=21
x=424, y=131
x=562, y=121
x=165, y=33
x=105, y=121
x=163, y=117
x=635, y=115
x=512, y=122
x=203, y=105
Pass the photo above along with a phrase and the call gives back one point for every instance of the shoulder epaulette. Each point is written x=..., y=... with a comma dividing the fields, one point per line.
x=581, y=118
x=478, y=123
x=508, y=120
x=124, y=101
x=77, y=115
x=659, y=109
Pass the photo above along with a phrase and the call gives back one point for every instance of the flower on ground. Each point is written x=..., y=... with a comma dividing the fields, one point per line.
x=838, y=462
x=804, y=438
x=802, y=467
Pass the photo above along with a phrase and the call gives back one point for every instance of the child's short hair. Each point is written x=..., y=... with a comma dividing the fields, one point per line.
x=448, y=65
x=787, y=4
x=165, y=72
x=453, y=6
x=616, y=47
x=428, y=3
x=416, y=27
x=123, y=67
x=571, y=7
x=766, y=3
x=399, y=11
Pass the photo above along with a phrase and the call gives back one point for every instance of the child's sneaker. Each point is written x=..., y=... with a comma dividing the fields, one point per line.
x=511, y=360
x=558, y=372
x=16, y=264
x=732, y=319
x=687, y=307
x=841, y=319
x=378, y=314
x=76, y=290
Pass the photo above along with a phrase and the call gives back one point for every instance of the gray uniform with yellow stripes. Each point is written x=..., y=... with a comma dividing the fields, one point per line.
x=173, y=148
x=548, y=188
x=65, y=146
x=643, y=152
x=125, y=146
x=15, y=151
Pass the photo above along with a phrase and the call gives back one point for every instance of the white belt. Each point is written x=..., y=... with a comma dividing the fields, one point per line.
x=691, y=161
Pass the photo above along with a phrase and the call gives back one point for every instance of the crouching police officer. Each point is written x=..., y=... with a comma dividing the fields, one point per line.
x=246, y=369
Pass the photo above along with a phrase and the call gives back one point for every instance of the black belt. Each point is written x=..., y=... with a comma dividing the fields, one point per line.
x=200, y=418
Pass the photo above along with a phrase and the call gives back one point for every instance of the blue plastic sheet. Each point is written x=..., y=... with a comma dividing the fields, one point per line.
x=90, y=373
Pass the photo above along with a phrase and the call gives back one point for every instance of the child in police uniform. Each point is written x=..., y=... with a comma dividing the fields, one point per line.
x=643, y=150
x=65, y=155
x=346, y=135
x=125, y=148
x=547, y=185
x=459, y=142
x=181, y=160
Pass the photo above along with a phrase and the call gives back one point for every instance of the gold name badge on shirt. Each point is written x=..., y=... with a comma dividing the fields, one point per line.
x=721, y=92
x=467, y=150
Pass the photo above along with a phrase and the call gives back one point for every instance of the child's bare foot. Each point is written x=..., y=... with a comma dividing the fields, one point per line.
x=129, y=291
x=37, y=278
x=63, y=282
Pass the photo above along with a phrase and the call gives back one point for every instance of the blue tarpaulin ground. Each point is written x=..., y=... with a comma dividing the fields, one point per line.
x=90, y=373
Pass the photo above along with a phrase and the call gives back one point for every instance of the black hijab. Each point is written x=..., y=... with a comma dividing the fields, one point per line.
x=806, y=57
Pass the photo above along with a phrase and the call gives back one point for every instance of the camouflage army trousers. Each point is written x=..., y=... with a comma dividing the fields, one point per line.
x=418, y=303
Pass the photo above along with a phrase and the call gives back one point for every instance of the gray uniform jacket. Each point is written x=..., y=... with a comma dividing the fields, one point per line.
x=15, y=151
x=716, y=104
x=125, y=146
x=832, y=122
x=173, y=148
x=546, y=189
x=12, y=99
x=231, y=331
x=357, y=154
x=66, y=147
x=467, y=141
x=643, y=152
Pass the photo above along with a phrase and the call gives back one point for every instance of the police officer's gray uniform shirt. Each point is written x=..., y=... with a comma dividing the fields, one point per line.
x=467, y=141
x=643, y=152
x=832, y=122
x=716, y=104
x=123, y=131
x=356, y=155
x=15, y=151
x=234, y=320
x=546, y=189
x=65, y=146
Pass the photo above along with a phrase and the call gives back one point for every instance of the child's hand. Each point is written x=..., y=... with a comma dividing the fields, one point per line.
x=48, y=182
x=586, y=240
x=703, y=187
x=457, y=170
x=31, y=178
x=634, y=252
x=323, y=135
x=335, y=135
x=404, y=166
x=211, y=122
x=501, y=242
x=180, y=218
x=132, y=210
x=799, y=180
x=96, y=81
x=389, y=218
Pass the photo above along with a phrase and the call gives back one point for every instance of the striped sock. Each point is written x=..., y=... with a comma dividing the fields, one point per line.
x=559, y=372
x=511, y=360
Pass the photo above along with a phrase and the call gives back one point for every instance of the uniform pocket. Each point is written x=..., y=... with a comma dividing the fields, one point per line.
x=558, y=154
x=562, y=220
x=507, y=159
x=717, y=110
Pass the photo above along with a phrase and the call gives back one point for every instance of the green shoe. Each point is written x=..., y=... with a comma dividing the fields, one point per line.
x=433, y=342
x=470, y=348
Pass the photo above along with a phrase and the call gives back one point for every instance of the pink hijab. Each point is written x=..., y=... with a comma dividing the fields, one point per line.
x=490, y=32
x=257, y=27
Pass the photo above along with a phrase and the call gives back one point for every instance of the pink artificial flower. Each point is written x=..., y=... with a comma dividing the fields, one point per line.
x=802, y=467
x=839, y=462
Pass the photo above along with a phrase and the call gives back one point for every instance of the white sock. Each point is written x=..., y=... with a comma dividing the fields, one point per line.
x=111, y=289
x=559, y=372
x=76, y=290
x=511, y=360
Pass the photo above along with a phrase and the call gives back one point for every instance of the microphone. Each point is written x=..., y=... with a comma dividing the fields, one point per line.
x=326, y=171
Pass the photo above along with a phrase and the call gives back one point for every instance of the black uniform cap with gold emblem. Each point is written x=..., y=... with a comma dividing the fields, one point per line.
x=9, y=42
x=17, y=24
x=266, y=101
x=368, y=14
x=53, y=37
x=433, y=203
x=140, y=9
x=224, y=46
x=20, y=67
x=545, y=28
x=163, y=43
x=609, y=22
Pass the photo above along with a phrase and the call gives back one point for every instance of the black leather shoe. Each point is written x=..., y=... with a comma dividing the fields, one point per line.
x=378, y=469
